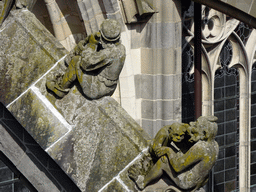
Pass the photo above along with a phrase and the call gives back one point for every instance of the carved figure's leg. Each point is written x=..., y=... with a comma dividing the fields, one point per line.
x=70, y=75
x=156, y=172
x=60, y=84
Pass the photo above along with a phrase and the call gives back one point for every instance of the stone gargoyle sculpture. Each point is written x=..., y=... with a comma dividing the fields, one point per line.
x=96, y=62
x=185, y=152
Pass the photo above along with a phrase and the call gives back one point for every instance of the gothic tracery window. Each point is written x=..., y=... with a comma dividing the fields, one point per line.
x=226, y=108
x=219, y=34
x=253, y=128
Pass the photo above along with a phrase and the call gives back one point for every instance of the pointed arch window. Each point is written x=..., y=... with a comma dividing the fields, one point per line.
x=226, y=108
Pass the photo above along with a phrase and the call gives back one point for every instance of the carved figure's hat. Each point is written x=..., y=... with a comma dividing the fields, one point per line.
x=110, y=30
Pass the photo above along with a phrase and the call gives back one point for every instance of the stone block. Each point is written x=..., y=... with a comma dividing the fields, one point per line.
x=153, y=126
x=136, y=61
x=9, y=147
x=147, y=109
x=97, y=147
x=155, y=87
x=161, y=35
x=177, y=109
x=148, y=126
x=135, y=35
x=114, y=186
x=164, y=87
x=35, y=174
x=144, y=86
x=161, y=61
x=27, y=51
x=157, y=109
x=168, y=11
x=111, y=6
x=37, y=118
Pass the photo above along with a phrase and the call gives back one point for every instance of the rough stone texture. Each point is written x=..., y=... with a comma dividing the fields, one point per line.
x=27, y=50
x=38, y=120
x=12, y=151
x=23, y=162
x=104, y=140
x=35, y=175
x=29, y=158
x=114, y=186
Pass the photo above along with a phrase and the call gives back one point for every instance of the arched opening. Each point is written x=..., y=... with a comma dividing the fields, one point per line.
x=226, y=108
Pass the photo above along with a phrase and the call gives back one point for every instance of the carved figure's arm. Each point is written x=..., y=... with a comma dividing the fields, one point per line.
x=158, y=147
x=96, y=60
x=193, y=155
x=92, y=38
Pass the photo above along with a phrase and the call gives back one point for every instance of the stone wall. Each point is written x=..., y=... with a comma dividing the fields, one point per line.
x=158, y=84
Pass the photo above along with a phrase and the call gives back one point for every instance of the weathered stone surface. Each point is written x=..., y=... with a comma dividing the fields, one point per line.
x=12, y=150
x=35, y=175
x=38, y=119
x=27, y=51
x=5, y=7
x=24, y=163
x=114, y=186
x=103, y=141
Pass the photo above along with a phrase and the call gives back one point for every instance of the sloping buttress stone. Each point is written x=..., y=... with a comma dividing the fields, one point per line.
x=104, y=140
x=92, y=141
x=27, y=51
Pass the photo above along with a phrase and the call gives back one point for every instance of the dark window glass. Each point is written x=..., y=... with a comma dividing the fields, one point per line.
x=243, y=31
x=9, y=182
x=253, y=127
x=188, y=104
x=226, y=107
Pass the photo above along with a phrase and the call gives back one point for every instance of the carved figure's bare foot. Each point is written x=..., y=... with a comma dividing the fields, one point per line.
x=53, y=85
x=134, y=171
x=140, y=182
x=132, y=174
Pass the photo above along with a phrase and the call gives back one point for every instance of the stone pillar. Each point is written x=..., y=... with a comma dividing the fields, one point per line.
x=158, y=86
x=67, y=27
x=92, y=14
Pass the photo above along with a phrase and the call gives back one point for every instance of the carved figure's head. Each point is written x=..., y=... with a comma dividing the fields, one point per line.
x=210, y=127
x=177, y=131
x=194, y=133
x=205, y=128
x=110, y=30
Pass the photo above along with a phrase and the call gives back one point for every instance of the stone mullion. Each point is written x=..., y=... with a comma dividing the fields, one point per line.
x=60, y=25
x=244, y=140
x=92, y=15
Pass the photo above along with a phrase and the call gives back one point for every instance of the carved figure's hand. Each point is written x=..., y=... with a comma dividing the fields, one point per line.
x=179, y=154
x=160, y=152
x=164, y=151
x=94, y=40
x=164, y=159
